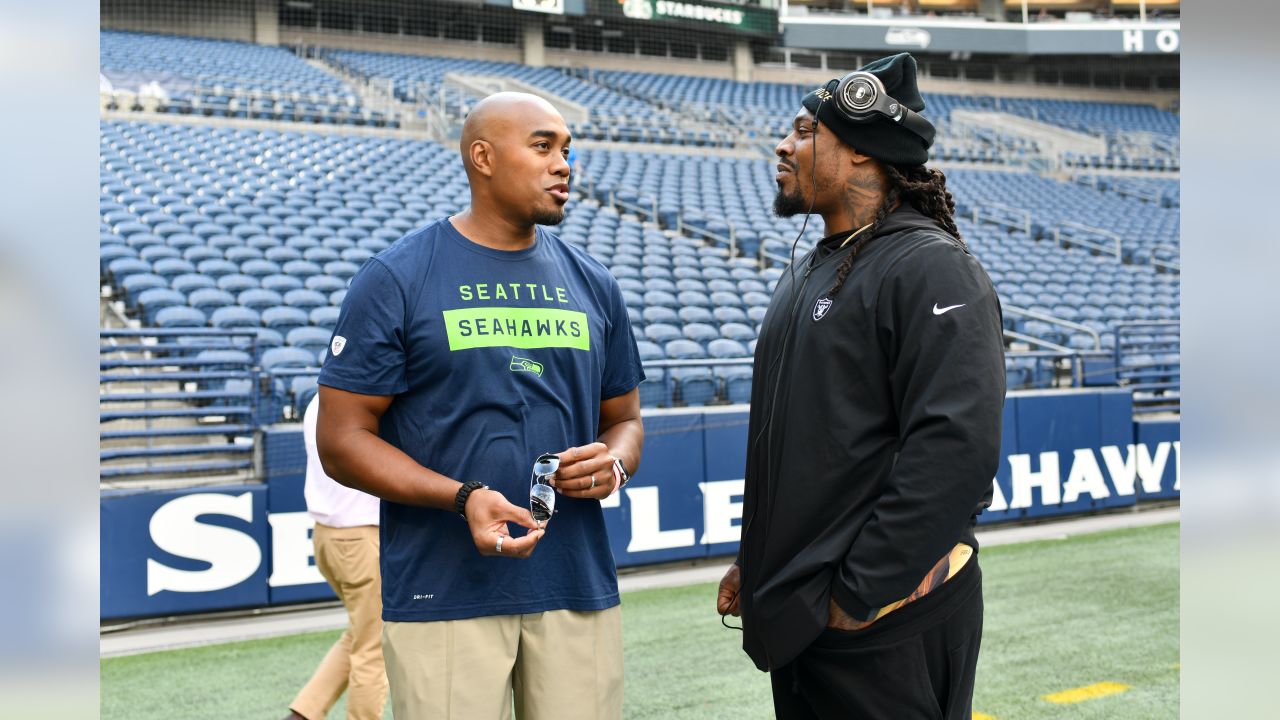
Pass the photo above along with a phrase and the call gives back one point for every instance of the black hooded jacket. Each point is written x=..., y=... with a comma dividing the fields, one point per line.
x=874, y=433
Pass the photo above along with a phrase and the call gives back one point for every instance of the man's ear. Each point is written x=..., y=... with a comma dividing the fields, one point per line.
x=857, y=159
x=482, y=157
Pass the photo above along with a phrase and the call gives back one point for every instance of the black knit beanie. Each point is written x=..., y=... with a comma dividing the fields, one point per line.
x=880, y=137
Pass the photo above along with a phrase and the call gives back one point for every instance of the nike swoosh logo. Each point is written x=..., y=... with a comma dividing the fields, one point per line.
x=938, y=311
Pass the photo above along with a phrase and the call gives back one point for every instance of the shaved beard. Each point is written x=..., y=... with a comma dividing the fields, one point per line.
x=787, y=205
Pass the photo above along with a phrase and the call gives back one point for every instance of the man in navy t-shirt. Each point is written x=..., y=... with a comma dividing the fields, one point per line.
x=463, y=352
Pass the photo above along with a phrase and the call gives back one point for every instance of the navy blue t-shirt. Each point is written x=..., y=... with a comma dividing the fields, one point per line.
x=493, y=357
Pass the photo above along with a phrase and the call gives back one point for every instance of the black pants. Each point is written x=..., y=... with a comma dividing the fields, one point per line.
x=917, y=663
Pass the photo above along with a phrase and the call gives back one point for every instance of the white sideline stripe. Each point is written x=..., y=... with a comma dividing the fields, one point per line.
x=310, y=619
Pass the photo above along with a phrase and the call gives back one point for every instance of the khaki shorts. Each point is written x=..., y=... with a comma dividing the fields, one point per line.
x=561, y=664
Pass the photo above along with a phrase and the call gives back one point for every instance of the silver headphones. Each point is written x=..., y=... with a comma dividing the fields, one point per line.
x=861, y=97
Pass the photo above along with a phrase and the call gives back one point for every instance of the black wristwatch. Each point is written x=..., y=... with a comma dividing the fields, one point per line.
x=464, y=492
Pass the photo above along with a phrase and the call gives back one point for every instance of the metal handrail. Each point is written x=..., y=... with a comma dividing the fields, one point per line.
x=1140, y=383
x=1077, y=358
x=731, y=241
x=1167, y=264
x=1053, y=319
x=1100, y=247
x=1015, y=335
x=650, y=212
x=1023, y=213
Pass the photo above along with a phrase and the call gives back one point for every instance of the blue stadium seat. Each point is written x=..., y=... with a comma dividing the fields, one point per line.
x=282, y=254
x=326, y=283
x=302, y=269
x=701, y=333
x=660, y=298
x=109, y=253
x=258, y=299
x=135, y=284
x=303, y=389
x=737, y=382
x=693, y=298
x=305, y=299
x=122, y=268
x=309, y=338
x=726, y=300
x=217, y=268
x=242, y=254
x=191, y=282
x=153, y=300
x=235, y=317
x=281, y=283
x=662, y=333
x=280, y=358
x=722, y=348
x=283, y=319
x=209, y=299
x=259, y=268
x=660, y=314
x=200, y=253
x=236, y=283
x=695, y=314
x=178, y=316
x=325, y=317
x=155, y=253
x=729, y=315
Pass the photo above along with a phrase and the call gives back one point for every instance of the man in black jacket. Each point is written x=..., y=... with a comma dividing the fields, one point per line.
x=875, y=424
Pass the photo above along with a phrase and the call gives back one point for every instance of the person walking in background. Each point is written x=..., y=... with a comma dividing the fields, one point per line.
x=346, y=552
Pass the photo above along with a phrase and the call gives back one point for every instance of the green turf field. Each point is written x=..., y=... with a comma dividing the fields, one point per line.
x=1097, y=612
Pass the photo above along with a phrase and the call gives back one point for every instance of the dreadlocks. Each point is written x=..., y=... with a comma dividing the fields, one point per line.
x=925, y=189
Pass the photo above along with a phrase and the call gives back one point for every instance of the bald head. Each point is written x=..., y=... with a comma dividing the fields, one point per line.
x=514, y=148
x=506, y=117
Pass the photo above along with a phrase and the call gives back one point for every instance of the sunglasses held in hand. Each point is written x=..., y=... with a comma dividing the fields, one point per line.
x=542, y=497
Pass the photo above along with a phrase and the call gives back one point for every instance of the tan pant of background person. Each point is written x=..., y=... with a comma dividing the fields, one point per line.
x=348, y=559
x=555, y=665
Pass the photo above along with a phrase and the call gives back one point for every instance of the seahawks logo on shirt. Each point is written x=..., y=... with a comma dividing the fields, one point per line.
x=820, y=308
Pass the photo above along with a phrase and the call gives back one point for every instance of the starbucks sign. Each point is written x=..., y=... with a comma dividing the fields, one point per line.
x=729, y=17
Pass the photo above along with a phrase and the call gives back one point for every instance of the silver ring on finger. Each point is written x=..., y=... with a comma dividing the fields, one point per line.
x=498, y=547
x=593, y=481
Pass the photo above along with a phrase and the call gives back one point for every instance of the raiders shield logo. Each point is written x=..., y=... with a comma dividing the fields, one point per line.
x=820, y=308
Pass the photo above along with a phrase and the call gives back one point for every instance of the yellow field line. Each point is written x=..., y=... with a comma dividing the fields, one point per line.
x=983, y=716
x=1088, y=692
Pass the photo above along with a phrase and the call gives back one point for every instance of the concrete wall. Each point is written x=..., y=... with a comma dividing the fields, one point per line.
x=266, y=22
